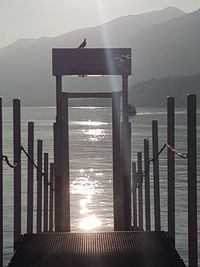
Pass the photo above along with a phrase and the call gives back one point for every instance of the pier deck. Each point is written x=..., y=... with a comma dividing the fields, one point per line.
x=150, y=249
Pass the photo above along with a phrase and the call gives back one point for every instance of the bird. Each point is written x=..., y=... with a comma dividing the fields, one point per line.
x=83, y=44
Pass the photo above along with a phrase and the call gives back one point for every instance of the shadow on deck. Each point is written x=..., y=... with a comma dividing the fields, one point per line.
x=150, y=249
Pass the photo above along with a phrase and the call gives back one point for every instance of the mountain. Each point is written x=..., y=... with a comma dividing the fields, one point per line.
x=163, y=42
x=154, y=91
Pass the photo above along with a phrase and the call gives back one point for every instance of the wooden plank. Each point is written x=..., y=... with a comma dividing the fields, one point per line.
x=156, y=175
x=192, y=180
x=39, y=187
x=17, y=170
x=117, y=174
x=30, y=177
x=113, y=249
x=171, y=168
x=1, y=183
x=91, y=61
x=87, y=95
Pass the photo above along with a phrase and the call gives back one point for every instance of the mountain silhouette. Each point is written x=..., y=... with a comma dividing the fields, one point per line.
x=163, y=43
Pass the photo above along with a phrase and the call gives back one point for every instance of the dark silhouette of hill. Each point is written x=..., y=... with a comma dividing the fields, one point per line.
x=163, y=42
x=154, y=92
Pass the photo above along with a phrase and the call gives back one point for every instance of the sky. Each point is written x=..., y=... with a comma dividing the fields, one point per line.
x=46, y=18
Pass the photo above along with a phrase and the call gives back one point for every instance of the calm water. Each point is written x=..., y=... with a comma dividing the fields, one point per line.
x=91, y=166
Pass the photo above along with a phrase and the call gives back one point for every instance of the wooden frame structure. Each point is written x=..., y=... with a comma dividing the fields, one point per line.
x=83, y=62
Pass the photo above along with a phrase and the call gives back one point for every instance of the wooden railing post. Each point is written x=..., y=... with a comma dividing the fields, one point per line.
x=192, y=180
x=171, y=169
x=51, y=197
x=39, y=187
x=140, y=190
x=1, y=184
x=17, y=170
x=147, y=185
x=117, y=174
x=30, y=178
x=45, y=199
x=156, y=175
x=134, y=183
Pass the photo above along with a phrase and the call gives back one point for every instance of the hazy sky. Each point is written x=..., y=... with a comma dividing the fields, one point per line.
x=38, y=18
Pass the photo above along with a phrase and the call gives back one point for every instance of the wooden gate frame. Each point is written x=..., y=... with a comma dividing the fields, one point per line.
x=93, y=62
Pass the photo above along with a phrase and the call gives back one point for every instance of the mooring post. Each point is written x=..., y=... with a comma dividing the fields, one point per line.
x=17, y=170
x=134, y=183
x=45, y=199
x=192, y=180
x=1, y=184
x=156, y=175
x=140, y=190
x=171, y=169
x=117, y=175
x=126, y=156
x=51, y=198
x=39, y=187
x=30, y=177
x=147, y=186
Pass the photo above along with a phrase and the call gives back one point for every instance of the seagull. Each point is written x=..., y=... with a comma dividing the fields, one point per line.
x=83, y=44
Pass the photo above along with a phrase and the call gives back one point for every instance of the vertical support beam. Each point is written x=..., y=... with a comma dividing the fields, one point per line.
x=171, y=169
x=30, y=178
x=1, y=183
x=62, y=196
x=51, y=199
x=17, y=170
x=58, y=97
x=39, y=187
x=140, y=191
x=117, y=177
x=147, y=186
x=156, y=175
x=134, y=182
x=192, y=180
x=65, y=167
x=126, y=156
x=45, y=199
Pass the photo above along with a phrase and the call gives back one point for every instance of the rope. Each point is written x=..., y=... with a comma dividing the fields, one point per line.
x=13, y=166
x=181, y=155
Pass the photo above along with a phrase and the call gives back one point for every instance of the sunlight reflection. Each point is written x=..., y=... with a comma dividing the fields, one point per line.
x=89, y=123
x=87, y=186
x=90, y=222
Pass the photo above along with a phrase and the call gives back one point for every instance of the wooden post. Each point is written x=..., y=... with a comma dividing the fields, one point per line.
x=1, y=184
x=30, y=178
x=117, y=177
x=134, y=177
x=51, y=199
x=140, y=190
x=147, y=186
x=156, y=175
x=39, y=187
x=126, y=156
x=45, y=183
x=65, y=167
x=17, y=170
x=192, y=180
x=171, y=169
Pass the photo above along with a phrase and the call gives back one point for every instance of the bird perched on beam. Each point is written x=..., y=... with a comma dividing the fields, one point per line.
x=83, y=44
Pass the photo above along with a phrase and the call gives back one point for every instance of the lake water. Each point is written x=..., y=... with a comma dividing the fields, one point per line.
x=91, y=166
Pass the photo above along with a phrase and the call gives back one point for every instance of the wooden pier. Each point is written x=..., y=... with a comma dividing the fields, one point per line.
x=135, y=241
